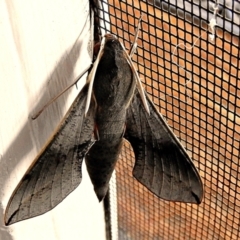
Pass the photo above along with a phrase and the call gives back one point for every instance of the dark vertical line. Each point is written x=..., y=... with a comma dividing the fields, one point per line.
x=107, y=216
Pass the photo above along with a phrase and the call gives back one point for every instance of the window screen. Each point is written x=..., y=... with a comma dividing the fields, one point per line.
x=190, y=69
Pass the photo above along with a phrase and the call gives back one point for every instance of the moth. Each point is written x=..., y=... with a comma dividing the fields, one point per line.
x=111, y=108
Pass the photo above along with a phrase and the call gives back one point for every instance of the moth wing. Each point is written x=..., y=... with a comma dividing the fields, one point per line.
x=162, y=164
x=56, y=172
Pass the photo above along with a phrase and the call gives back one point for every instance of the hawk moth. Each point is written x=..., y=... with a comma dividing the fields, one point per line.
x=107, y=110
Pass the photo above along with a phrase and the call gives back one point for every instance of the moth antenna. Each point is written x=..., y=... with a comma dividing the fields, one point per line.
x=92, y=74
x=134, y=45
x=139, y=83
x=133, y=49
x=129, y=56
x=35, y=116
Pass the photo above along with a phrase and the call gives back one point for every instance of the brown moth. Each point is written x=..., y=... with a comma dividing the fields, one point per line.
x=110, y=108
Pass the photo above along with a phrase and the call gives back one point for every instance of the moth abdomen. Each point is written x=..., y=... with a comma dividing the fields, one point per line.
x=101, y=161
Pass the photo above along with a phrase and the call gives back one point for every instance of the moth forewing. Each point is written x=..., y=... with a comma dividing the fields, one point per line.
x=162, y=163
x=56, y=171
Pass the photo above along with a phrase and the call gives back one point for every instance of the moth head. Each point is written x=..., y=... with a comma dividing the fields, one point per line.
x=112, y=42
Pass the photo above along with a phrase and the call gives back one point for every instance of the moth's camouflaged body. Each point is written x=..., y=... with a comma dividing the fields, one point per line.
x=116, y=111
x=113, y=90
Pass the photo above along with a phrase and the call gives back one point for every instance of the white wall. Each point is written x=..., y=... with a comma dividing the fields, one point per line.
x=42, y=50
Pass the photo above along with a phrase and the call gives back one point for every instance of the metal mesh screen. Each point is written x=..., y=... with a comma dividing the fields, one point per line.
x=195, y=83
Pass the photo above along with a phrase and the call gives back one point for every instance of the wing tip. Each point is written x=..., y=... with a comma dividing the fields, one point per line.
x=198, y=201
x=197, y=197
x=9, y=220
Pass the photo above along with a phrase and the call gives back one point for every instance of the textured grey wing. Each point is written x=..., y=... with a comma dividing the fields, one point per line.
x=57, y=171
x=162, y=164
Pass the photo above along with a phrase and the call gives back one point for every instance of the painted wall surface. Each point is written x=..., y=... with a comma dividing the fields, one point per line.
x=44, y=48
